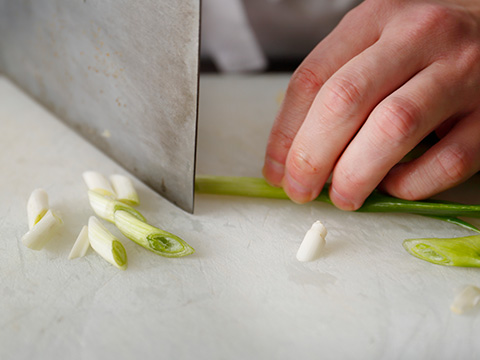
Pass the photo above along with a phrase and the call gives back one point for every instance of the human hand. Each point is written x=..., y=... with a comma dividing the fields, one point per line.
x=389, y=74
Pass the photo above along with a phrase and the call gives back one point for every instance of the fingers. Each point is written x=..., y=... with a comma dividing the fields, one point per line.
x=340, y=109
x=331, y=54
x=451, y=161
x=394, y=127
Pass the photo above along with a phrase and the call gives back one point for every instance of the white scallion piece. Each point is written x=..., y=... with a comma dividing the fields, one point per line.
x=106, y=244
x=97, y=182
x=123, y=187
x=37, y=206
x=81, y=245
x=42, y=231
x=466, y=299
x=313, y=242
x=105, y=206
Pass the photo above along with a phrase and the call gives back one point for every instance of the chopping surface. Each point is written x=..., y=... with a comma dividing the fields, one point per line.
x=242, y=295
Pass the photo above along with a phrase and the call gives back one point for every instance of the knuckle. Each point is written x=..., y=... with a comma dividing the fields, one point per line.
x=305, y=81
x=302, y=164
x=348, y=181
x=397, y=120
x=280, y=140
x=454, y=163
x=448, y=22
x=403, y=189
x=343, y=95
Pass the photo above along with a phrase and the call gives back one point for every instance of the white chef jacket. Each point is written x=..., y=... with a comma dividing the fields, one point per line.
x=241, y=35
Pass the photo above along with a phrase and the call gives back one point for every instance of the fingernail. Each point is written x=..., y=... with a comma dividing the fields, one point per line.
x=341, y=202
x=273, y=171
x=299, y=193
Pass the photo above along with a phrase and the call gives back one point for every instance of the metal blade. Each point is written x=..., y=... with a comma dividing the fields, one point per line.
x=123, y=73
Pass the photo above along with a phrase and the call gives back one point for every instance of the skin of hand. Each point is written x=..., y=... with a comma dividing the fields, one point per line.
x=390, y=73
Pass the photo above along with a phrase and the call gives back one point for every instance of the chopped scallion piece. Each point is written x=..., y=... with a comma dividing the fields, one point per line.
x=106, y=244
x=461, y=251
x=42, y=231
x=466, y=299
x=158, y=241
x=97, y=182
x=313, y=242
x=37, y=206
x=81, y=245
x=124, y=189
x=105, y=207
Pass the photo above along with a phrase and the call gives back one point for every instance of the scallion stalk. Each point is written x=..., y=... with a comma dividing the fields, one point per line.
x=376, y=202
x=461, y=251
x=156, y=240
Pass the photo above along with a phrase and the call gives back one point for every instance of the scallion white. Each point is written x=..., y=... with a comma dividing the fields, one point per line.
x=106, y=244
x=124, y=189
x=97, y=182
x=37, y=206
x=42, y=232
x=466, y=299
x=81, y=245
x=313, y=242
x=105, y=206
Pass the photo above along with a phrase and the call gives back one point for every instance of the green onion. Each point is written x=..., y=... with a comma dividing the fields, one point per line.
x=81, y=245
x=97, y=182
x=106, y=244
x=105, y=207
x=466, y=299
x=38, y=236
x=124, y=189
x=376, y=202
x=37, y=206
x=455, y=221
x=158, y=241
x=461, y=251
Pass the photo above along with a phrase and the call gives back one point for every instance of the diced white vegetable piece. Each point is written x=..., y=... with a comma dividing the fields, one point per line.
x=466, y=299
x=124, y=189
x=37, y=206
x=42, y=232
x=313, y=242
x=97, y=182
x=106, y=244
x=81, y=245
x=102, y=206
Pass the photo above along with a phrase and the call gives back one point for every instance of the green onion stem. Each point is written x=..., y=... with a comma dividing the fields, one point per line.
x=461, y=251
x=156, y=240
x=376, y=202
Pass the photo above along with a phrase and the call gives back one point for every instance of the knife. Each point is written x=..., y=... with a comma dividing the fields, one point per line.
x=122, y=73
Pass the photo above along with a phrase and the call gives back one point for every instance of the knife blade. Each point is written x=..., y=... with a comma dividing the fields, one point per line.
x=122, y=73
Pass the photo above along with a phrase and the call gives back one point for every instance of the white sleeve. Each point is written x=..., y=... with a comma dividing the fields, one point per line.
x=228, y=38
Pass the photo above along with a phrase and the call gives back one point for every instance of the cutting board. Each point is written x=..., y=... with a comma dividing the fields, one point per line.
x=242, y=295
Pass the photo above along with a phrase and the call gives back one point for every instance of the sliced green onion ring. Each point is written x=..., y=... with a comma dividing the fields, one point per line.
x=460, y=251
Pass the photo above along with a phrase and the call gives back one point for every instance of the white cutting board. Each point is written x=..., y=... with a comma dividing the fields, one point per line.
x=242, y=295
